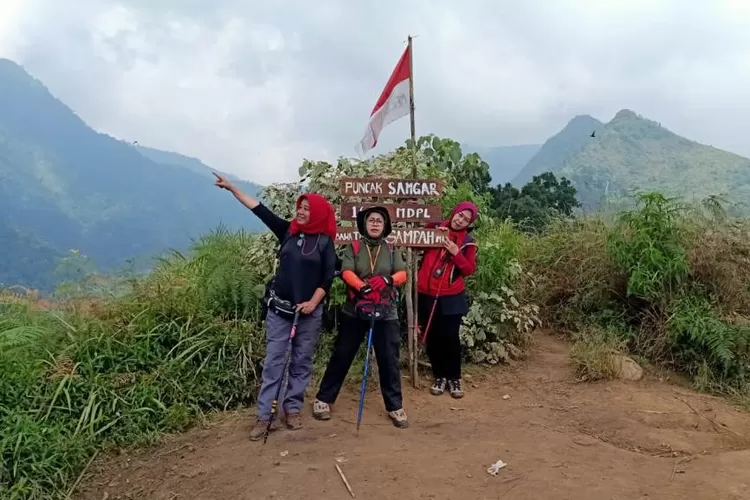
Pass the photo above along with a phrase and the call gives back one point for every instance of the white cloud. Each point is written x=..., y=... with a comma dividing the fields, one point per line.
x=252, y=89
x=11, y=13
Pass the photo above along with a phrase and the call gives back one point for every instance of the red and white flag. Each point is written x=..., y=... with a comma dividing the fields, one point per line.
x=392, y=104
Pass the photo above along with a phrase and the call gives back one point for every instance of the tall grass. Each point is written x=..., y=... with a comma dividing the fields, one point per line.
x=184, y=342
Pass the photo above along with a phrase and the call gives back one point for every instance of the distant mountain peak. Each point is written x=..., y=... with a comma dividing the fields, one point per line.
x=627, y=114
x=582, y=119
x=555, y=150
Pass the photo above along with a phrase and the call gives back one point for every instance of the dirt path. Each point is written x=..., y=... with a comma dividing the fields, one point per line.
x=561, y=440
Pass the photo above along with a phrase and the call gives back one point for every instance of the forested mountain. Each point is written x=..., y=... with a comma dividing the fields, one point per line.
x=551, y=156
x=633, y=153
x=65, y=186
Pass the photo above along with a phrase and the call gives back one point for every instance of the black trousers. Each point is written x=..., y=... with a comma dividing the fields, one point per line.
x=443, y=341
x=386, y=338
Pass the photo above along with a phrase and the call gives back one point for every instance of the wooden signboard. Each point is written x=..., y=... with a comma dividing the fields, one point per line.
x=414, y=237
x=400, y=212
x=391, y=188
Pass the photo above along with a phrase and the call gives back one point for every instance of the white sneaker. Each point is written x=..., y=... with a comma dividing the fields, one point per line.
x=321, y=410
x=399, y=419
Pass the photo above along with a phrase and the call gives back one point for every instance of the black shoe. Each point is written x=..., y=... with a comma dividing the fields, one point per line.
x=438, y=387
x=456, y=388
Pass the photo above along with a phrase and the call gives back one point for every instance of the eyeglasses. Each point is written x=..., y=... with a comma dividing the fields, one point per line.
x=376, y=222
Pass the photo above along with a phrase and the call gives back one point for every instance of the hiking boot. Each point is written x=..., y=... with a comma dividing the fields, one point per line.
x=321, y=410
x=259, y=429
x=456, y=388
x=293, y=421
x=399, y=419
x=438, y=387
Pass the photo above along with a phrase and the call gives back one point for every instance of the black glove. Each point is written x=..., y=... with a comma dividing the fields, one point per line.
x=365, y=289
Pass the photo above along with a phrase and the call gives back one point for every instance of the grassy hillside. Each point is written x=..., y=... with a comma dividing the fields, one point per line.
x=505, y=161
x=634, y=153
x=553, y=153
x=65, y=186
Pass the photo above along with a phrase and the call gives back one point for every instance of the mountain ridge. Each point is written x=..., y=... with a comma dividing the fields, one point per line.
x=67, y=186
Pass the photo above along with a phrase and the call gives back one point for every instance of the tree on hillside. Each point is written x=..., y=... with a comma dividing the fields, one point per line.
x=533, y=204
x=446, y=155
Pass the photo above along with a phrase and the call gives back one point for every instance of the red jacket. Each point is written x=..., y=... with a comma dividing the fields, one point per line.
x=454, y=267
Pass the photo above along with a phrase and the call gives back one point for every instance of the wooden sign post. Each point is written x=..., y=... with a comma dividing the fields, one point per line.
x=414, y=213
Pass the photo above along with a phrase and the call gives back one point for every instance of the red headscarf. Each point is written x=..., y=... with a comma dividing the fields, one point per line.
x=322, y=217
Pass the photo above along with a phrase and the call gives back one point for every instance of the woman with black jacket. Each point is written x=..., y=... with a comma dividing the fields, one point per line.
x=307, y=264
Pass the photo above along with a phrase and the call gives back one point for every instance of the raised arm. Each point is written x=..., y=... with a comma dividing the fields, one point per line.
x=276, y=224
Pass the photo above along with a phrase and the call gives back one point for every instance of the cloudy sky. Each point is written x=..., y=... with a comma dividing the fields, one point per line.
x=252, y=87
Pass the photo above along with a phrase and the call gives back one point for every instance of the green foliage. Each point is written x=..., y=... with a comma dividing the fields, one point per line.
x=499, y=322
x=669, y=279
x=701, y=339
x=648, y=244
x=445, y=155
x=497, y=326
x=572, y=274
x=535, y=203
x=497, y=261
x=184, y=341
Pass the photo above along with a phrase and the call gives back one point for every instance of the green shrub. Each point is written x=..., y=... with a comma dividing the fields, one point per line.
x=570, y=274
x=700, y=339
x=648, y=245
x=497, y=327
x=673, y=279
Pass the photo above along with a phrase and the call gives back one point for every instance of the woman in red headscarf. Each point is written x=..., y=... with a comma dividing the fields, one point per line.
x=307, y=266
x=442, y=299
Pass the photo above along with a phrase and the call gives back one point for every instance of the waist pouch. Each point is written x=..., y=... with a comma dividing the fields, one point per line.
x=366, y=309
x=280, y=306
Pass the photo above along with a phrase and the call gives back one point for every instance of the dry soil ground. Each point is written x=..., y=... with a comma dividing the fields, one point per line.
x=560, y=439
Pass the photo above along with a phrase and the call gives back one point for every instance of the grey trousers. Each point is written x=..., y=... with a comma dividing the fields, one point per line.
x=300, y=365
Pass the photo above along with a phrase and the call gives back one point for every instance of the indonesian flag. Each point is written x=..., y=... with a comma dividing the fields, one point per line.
x=392, y=104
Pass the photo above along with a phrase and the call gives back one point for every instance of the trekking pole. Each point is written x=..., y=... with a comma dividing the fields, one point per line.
x=287, y=359
x=432, y=311
x=364, y=377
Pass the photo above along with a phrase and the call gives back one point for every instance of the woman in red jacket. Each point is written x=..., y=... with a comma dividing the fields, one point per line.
x=442, y=299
